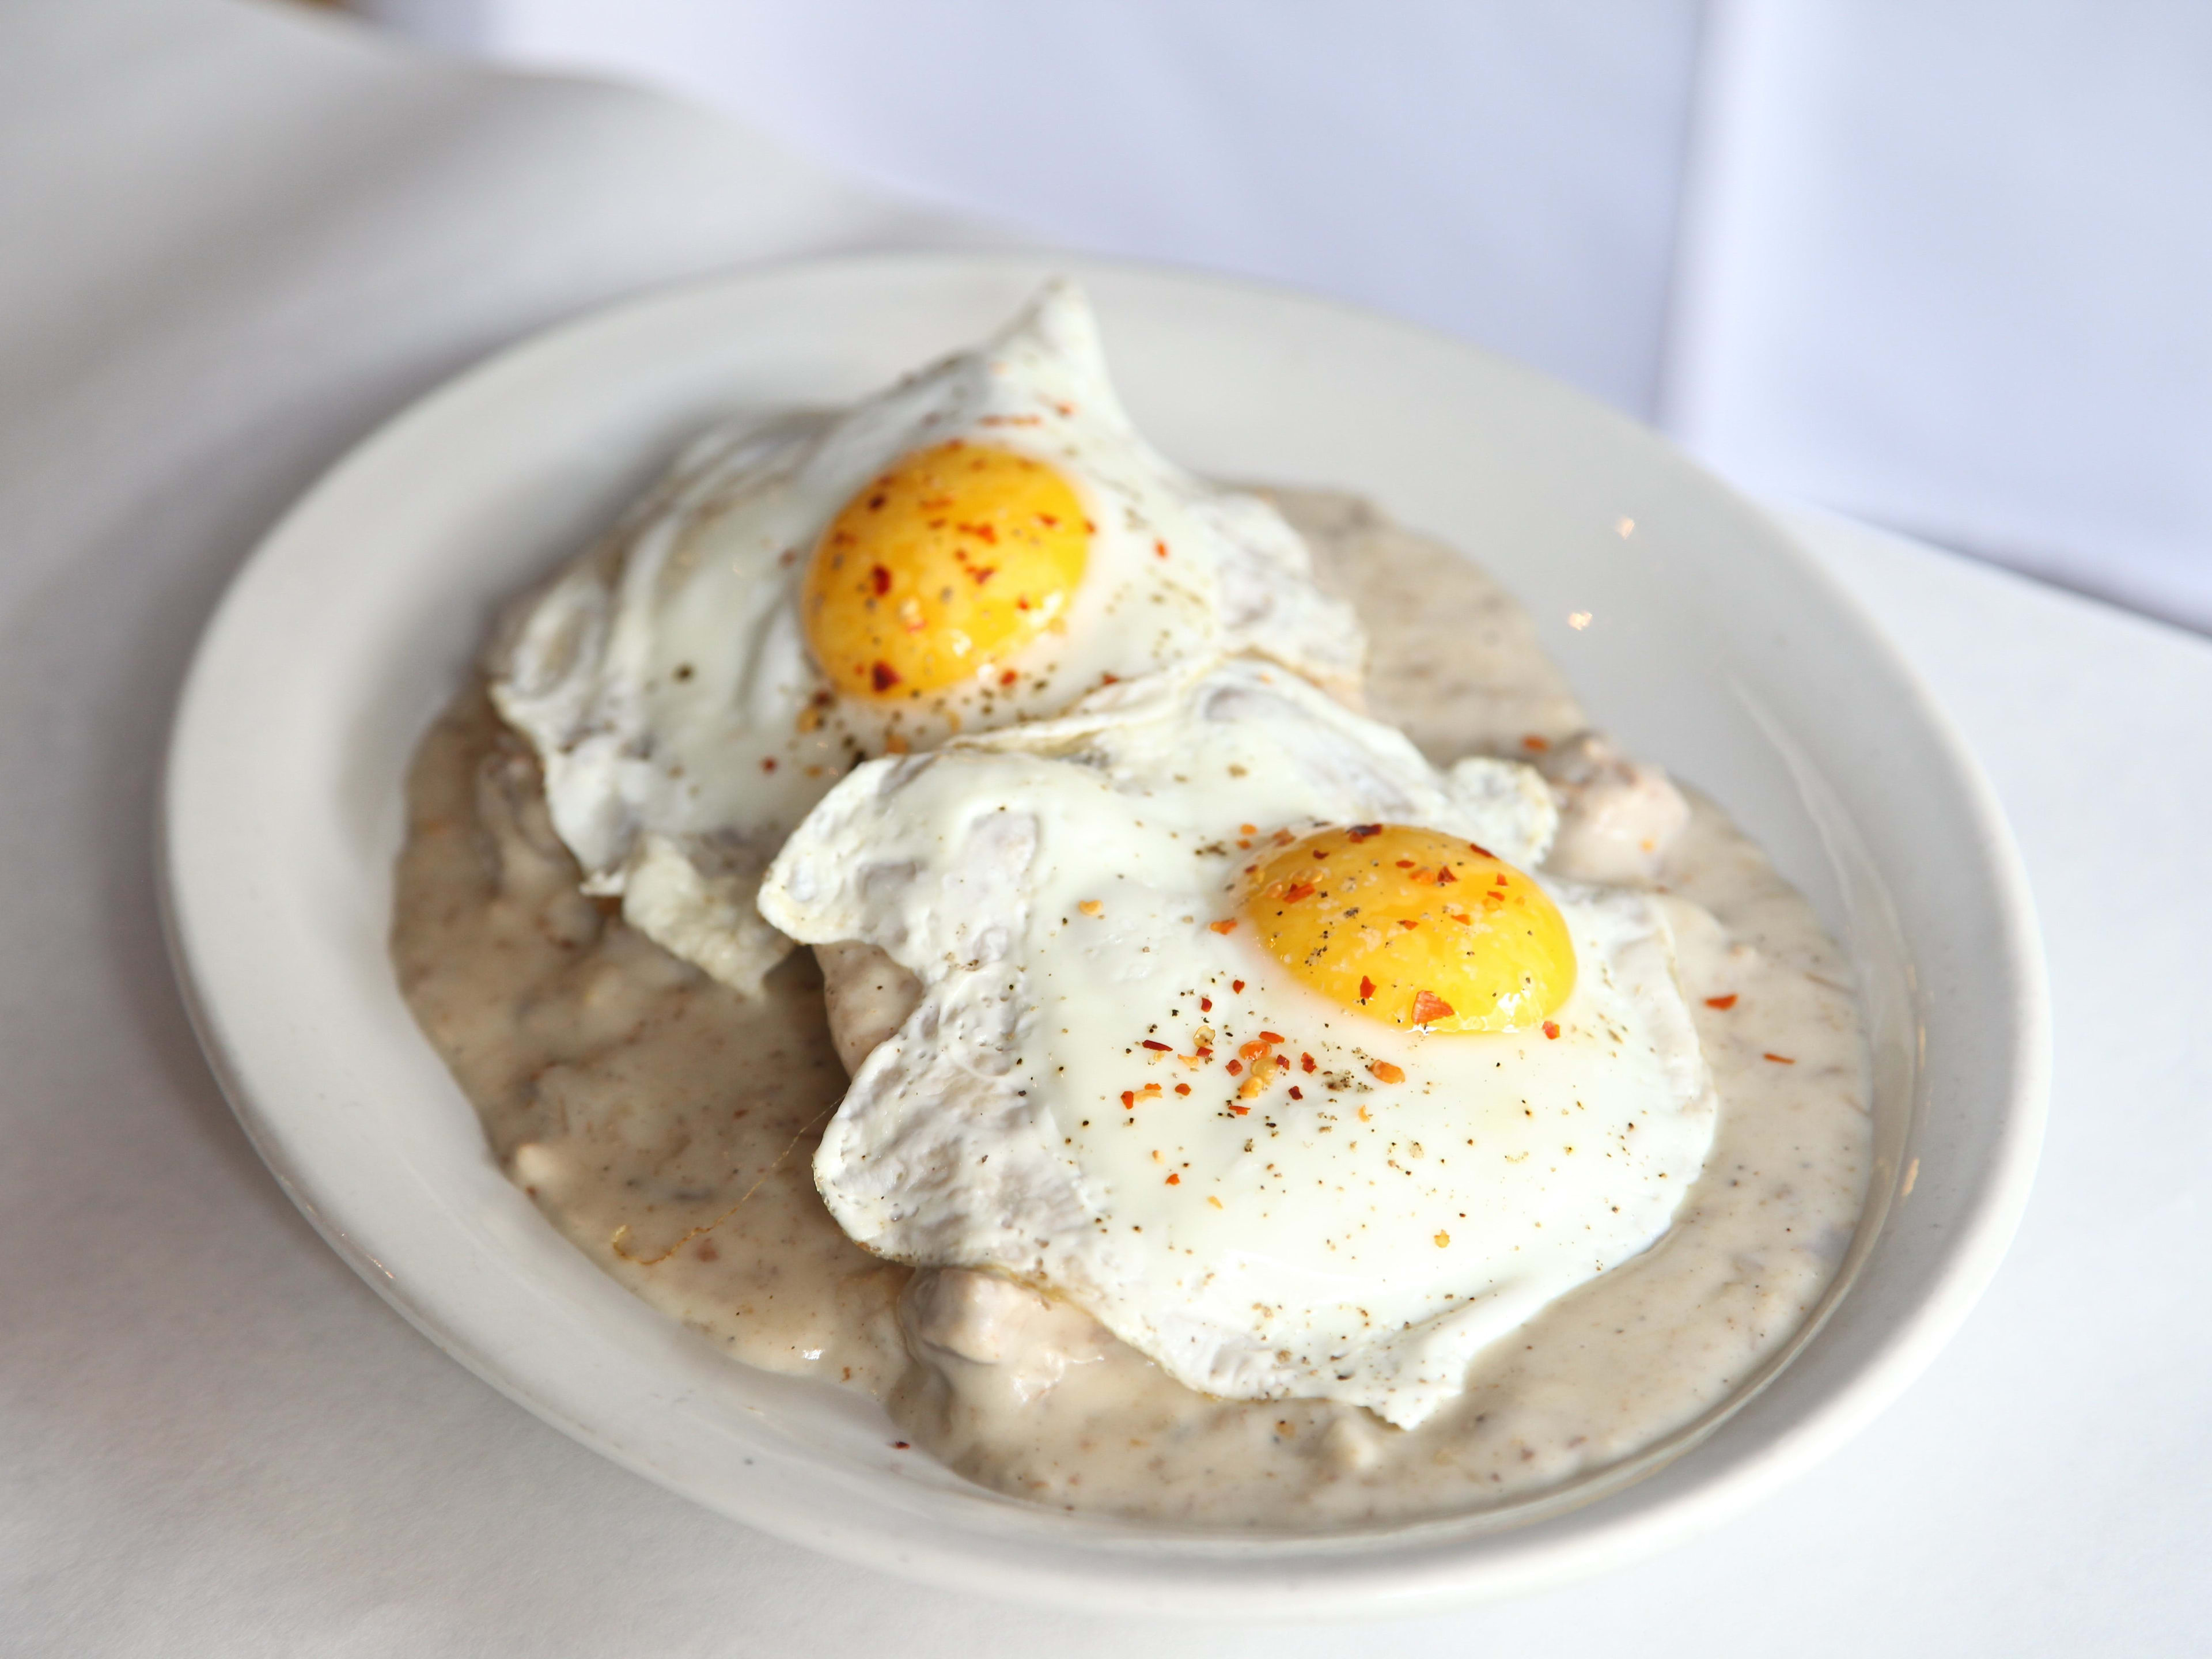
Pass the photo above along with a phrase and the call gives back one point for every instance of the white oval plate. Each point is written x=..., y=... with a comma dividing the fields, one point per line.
x=1715, y=647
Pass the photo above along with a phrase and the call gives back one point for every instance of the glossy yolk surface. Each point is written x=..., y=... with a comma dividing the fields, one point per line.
x=1415, y=928
x=942, y=569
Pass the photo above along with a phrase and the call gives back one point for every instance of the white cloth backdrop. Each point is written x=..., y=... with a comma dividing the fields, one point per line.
x=1944, y=266
x=1502, y=170
x=233, y=237
x=1949, y=266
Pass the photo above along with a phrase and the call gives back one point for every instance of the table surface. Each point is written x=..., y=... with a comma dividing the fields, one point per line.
x=216, y=1440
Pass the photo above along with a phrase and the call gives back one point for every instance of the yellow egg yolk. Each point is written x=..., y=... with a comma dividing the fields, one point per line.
x=941, y=569
x=1415, y=927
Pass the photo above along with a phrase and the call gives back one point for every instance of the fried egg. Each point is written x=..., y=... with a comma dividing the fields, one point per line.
x=1246, y=1030
x=980, y=545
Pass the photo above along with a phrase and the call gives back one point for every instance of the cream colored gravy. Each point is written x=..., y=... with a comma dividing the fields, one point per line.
x=667, y=1126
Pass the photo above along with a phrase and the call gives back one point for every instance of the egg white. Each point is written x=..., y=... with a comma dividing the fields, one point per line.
x=1053, y=888
x=665, y=679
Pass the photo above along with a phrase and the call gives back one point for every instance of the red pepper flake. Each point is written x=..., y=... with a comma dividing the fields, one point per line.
x=1236, y=984
x=1235, y=1067
x=981, y=532
x=1271, y=1036
x=983, y=573
x=1360, y=832
x=1405, y=864
x=1182, y=1088
x=901, y=1445
x=1306, y=1062
x=1409, y=926
x=1428, y=1008
x=1551, y=1029
x=1781, y=1059
x=1206, y=1004
x=1320, y=852
x=879, y=578
x=1175, y=1180
x=1385, y=1072
x=1129, y=1099
x=1157, y=1048
x=1225, y=927
x=1480, y=850
x=883, y=675
x=767, y=764
x=1532, y=741
x=1366, y=988
x=1241, y=1111
x=1048, y=520
x=1727, y=1001
x=1296, y=890
x=1110, y=679
x=1444, y=875
x=1161, y=549
x=1296, y=1093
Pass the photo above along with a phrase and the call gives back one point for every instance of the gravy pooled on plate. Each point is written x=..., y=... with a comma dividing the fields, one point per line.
x=667, y=1123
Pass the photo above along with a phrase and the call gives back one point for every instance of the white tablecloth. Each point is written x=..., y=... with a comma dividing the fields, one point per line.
x=230, y=241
